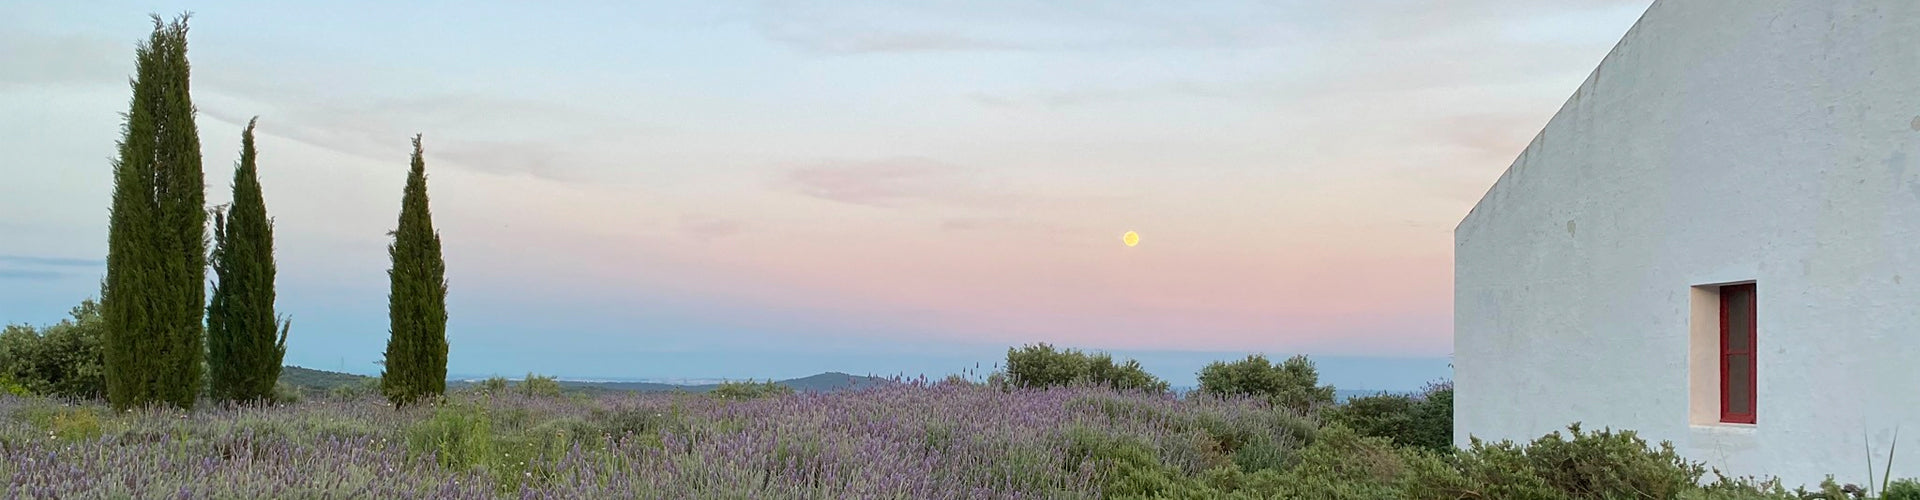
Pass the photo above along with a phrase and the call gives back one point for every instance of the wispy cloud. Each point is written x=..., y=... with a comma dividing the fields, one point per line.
x=707, y=228
x=893, y=183
x=29, y=274
x=29, y=260
x=860, y=27
x=48, y=59
x=483, y=133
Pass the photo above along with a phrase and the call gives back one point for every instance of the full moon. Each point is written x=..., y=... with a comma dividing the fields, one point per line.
x=1131, y=238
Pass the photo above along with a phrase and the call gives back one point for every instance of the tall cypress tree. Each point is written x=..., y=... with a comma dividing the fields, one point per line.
x=416, y=363
x=153, y=297
x=246, y=341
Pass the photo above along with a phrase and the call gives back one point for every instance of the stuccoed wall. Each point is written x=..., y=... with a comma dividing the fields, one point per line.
x=1720, y=141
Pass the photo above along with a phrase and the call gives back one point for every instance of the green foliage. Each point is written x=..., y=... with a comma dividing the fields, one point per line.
x=539, y=386
x=751, y=390
x=356, y=390
x=456, y=436
x=495, y=385
x=1904, y=489
x=1341, y=464
x=63, y=359
x=514, y=445
x=11, y=388
x=1422, y=421
x=287, y=393
x=1292, y=384
x=1580, y=465
x=66, y=423
x=154, y=294
x=246, y=340
x=416, y=357
x=1041, y=365
x=319, y=381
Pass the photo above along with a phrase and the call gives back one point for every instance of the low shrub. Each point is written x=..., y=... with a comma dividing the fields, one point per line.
x=537, y=386
x=751, y=390
x=1904, y=489
x=1293, y=384
x=458, y=436
x=1041, y=365
x=1422, y=420
x=287, y=393
x=10, y=387
x=494, y=385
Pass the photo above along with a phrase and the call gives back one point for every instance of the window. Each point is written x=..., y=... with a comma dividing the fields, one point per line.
x=1737, y=380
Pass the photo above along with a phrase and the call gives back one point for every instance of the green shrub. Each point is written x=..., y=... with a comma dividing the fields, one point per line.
x=12, y=388
x=1041, y=365
x=1904, y=489
x=494, y=385
x=1582, y=465
x=69, y=423
x=1342, y=464
x=1292, y=384
x=284, y=393
x=458, y=436
x=751, y=390
x=361, y=389
x=1421, y=421
x=539, y=386
x=65, y=359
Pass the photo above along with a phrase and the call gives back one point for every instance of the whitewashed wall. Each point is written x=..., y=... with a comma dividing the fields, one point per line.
x=1720, y=141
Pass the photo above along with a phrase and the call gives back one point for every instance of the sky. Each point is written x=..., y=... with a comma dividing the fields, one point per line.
x=775, y=189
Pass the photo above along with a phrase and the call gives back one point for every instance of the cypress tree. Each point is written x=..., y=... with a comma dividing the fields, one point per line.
x=416, y=360
x=153, y=297
x=246, y=341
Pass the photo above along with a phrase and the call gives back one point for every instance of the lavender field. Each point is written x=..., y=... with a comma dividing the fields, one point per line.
x=907, y=440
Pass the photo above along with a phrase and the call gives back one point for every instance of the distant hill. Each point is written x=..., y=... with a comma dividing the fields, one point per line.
x=824, y=382
x=319, y=380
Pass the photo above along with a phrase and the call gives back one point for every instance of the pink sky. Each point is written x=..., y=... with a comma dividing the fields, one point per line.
x=879, y=172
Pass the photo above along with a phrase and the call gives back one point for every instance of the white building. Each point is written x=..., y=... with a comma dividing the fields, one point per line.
x=1715, y=242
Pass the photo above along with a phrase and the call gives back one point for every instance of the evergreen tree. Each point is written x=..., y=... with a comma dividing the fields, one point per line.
x=416, y=360
x=153, y=297
x=245, y=339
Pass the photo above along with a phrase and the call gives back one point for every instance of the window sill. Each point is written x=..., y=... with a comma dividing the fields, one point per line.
x=1726, y=428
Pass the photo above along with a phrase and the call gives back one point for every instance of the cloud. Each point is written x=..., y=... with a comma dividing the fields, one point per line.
x=28, y=260
x=495, y=134
x=48, y=59
x=705, y=228
x=894, y=183
x=864, y=27
x=29, y=274
x=874, y=41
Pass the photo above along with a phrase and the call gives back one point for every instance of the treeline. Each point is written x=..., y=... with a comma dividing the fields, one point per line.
x=158, y=337
x=1421, y=420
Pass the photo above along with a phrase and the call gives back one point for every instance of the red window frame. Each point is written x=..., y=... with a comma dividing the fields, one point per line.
x=1728, y=352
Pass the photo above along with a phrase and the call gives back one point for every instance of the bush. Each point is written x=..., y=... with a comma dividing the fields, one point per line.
x=1293, y=384
x=495, y=385
x=1040, y=365
x=64, y=359
x=363, y=388
x=458, y=436
x=287, y=393
x=12, y=388
x=1904, y=489
x=539, y=386
x=751, y=390
x=1581, y=465
x=1422, y=421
